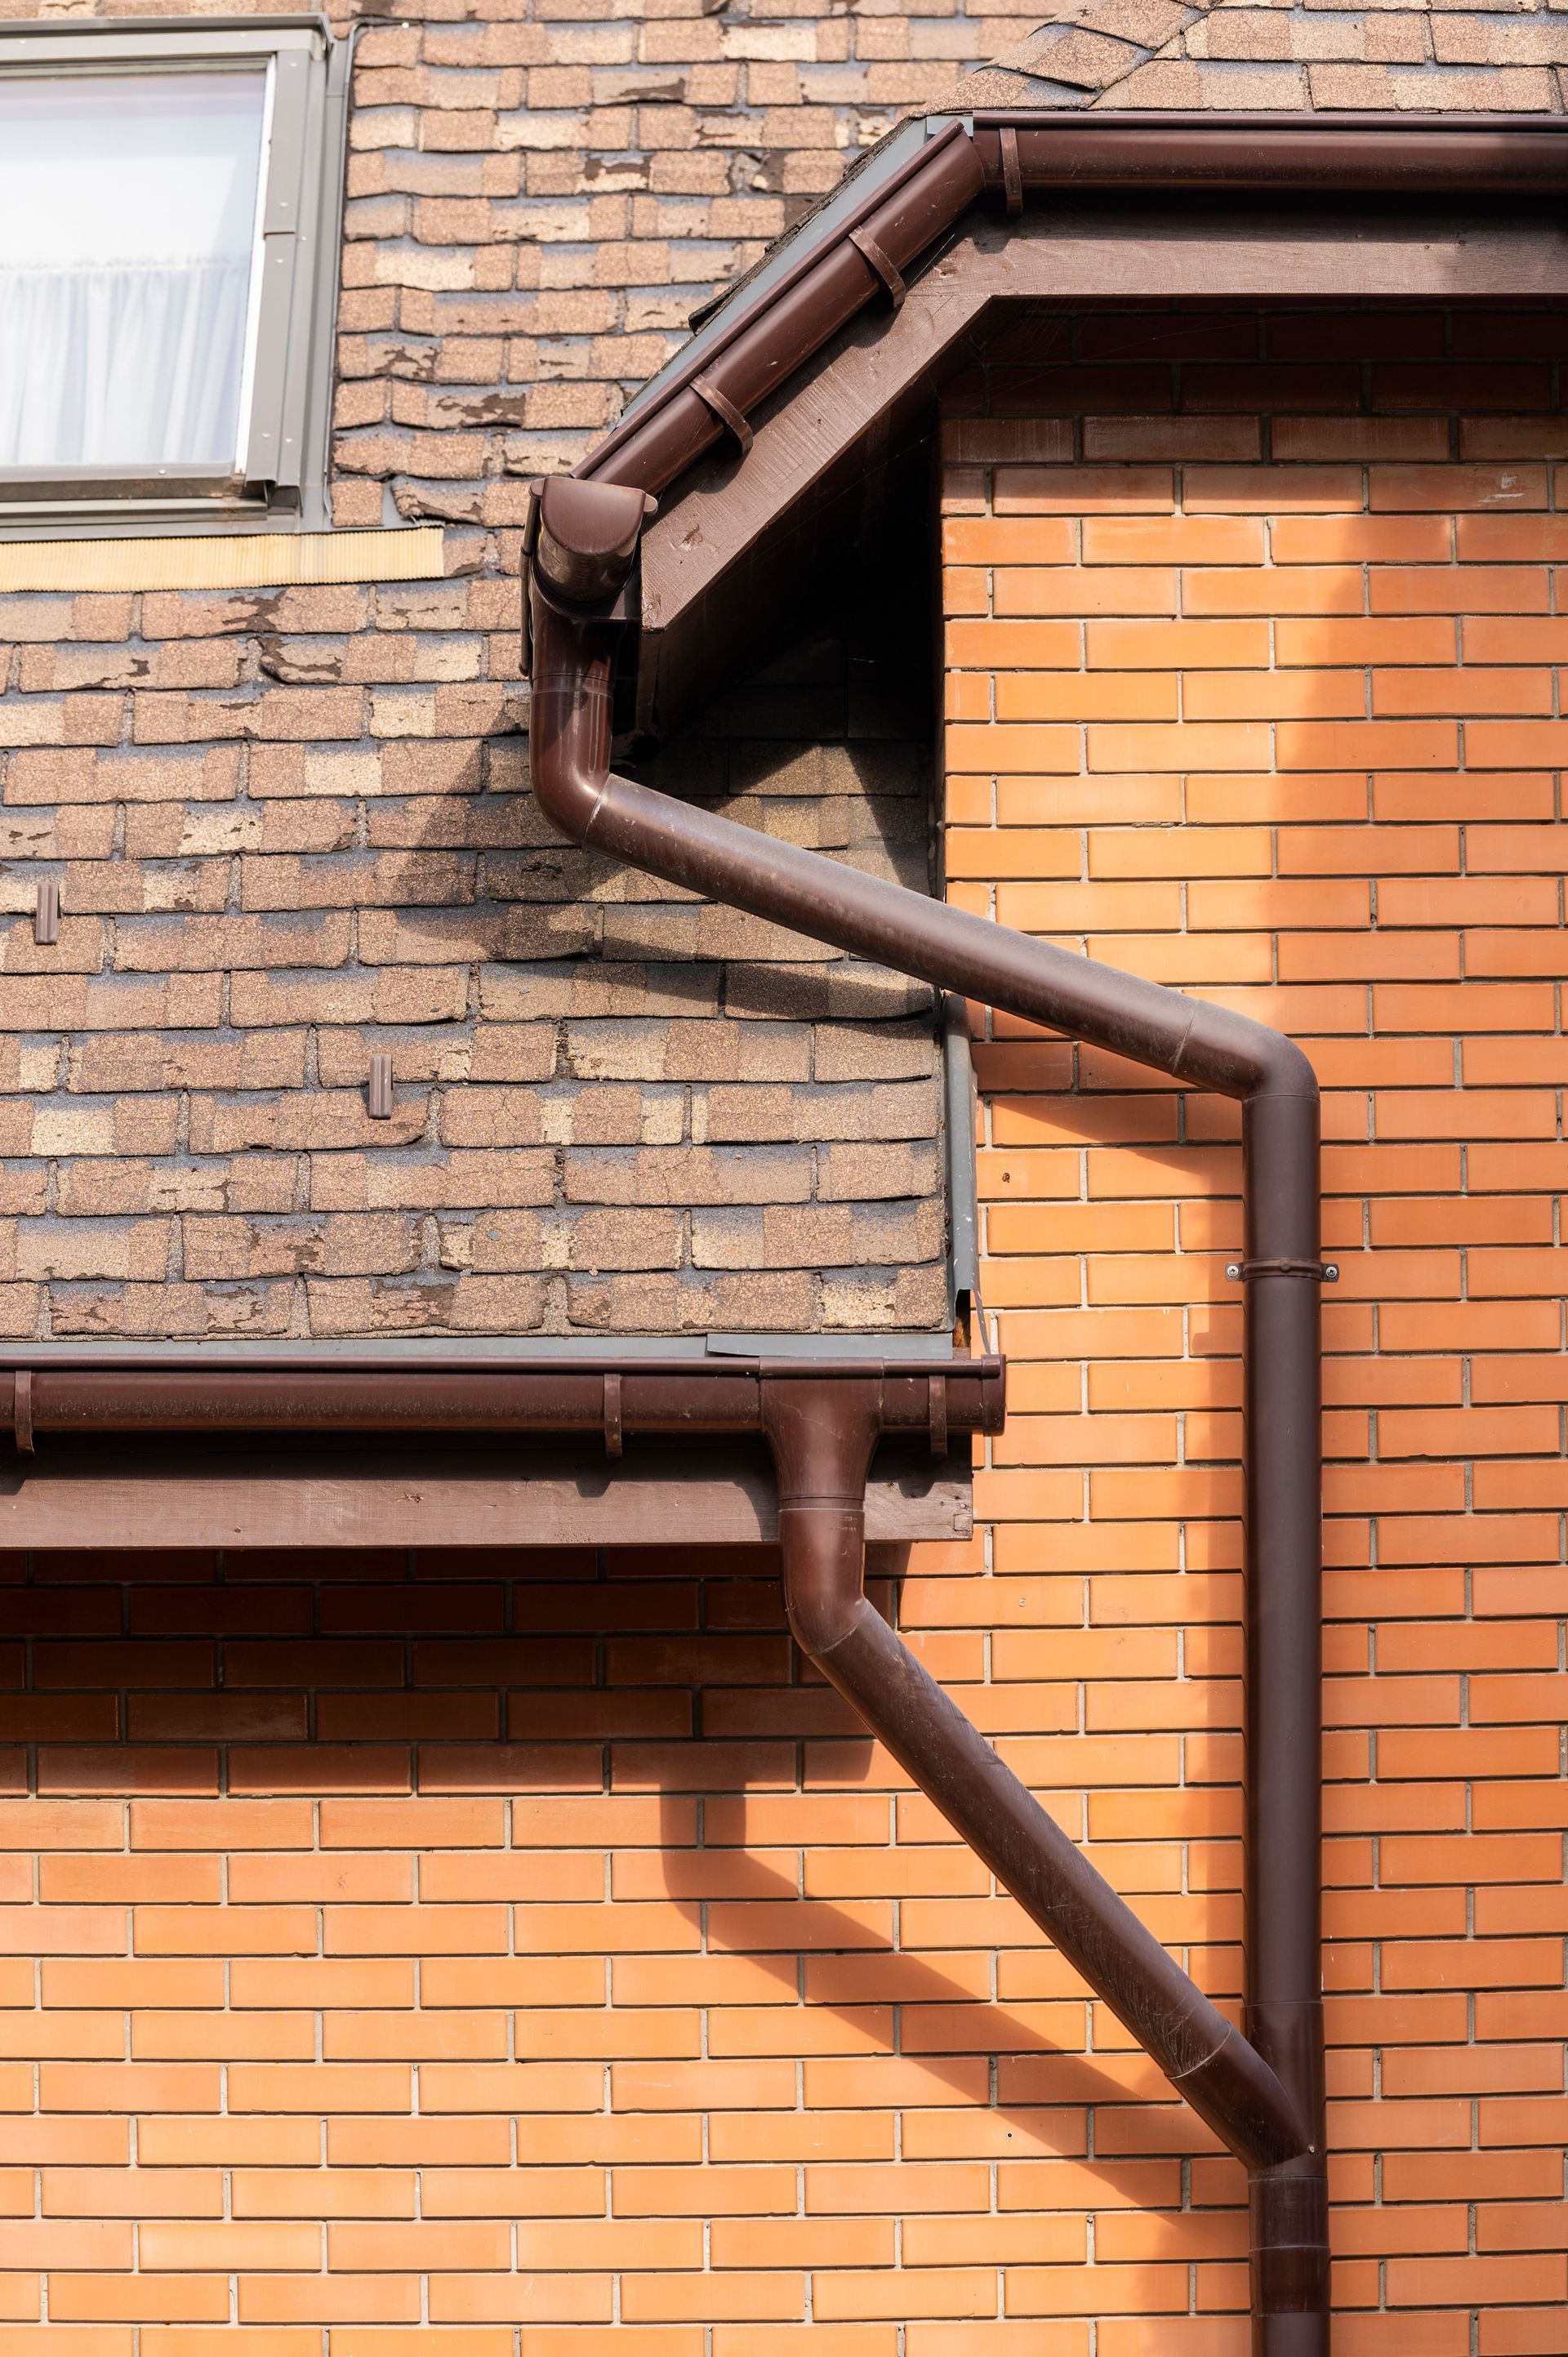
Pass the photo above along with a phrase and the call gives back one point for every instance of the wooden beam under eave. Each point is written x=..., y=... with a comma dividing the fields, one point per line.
x=700, y=1494
x=726, y=559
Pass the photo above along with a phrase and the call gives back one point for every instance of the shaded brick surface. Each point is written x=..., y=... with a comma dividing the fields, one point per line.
x=265, y=882
x=291, y=827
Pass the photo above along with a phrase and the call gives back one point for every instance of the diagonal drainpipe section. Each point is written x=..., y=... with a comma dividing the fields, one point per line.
x=822, y=1437
x=1264, y=2094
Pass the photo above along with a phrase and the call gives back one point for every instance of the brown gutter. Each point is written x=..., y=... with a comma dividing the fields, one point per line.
x=69, y=1396
x=795, y=319
x=1265, y=2097
x=1381, y=155
x=867, y=255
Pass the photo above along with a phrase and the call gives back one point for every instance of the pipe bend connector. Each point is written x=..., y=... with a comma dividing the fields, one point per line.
x=822, y=1549
x=1243, y=1057
x=1284, y=1069
x=584, y=551
x=569, y=750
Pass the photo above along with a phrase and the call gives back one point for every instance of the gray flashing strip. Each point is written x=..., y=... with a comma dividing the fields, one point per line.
x=522, y=1350
x=448, y=1355
x=905, y=1348
x=957, y=1131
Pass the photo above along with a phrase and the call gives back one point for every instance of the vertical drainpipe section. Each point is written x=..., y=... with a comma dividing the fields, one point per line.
x=584, y=553
x=1283, y=1591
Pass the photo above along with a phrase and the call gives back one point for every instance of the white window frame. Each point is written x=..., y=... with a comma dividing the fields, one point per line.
x=280, y=480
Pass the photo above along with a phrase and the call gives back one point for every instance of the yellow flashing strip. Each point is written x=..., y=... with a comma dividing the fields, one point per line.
x=263, y=560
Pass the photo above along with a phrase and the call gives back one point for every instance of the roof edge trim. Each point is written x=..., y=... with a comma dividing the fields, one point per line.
x=749, y=355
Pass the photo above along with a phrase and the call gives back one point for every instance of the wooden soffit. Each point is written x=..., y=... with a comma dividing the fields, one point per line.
x=184, y=1494
x=734, y=551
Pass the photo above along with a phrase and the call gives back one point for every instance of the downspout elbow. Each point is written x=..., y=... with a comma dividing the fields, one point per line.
x=1241, y=1057
x=584, y=554
x=569, y=725
x=821, y=1436
x=1284, y=1069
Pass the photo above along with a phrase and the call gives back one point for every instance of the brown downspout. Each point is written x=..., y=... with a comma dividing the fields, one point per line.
x=822, y=1437
x=585, y=548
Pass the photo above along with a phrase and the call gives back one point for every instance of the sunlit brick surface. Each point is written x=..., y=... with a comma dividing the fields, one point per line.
x=1252, y=632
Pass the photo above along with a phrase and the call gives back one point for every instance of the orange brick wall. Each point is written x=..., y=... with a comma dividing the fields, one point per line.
x=478, y=1952
x=1252, y=632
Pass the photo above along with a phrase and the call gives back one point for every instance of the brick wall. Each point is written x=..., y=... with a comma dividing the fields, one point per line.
x=439, y=1947
x=1253, y=628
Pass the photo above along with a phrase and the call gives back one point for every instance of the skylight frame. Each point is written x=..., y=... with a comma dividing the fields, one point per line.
x=279, y=476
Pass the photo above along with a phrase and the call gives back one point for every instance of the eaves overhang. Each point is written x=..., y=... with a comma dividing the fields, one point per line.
x=460, y=1443
x=772, y=435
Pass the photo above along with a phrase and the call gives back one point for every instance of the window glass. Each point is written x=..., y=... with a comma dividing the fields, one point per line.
x=127, y=237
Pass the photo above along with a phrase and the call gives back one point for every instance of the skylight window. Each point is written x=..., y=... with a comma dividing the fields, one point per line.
x=169, y=204
x=127, y=266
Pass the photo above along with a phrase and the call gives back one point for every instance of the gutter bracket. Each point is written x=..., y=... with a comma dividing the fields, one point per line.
x=1012, y=171
x=725, y=410
x=887, y=269
x=937, y=1413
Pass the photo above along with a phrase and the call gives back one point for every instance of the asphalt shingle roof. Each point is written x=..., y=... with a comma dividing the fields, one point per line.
x=1315, y=55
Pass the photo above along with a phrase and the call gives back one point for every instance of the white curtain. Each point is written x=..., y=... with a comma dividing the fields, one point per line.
x=127, y=215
